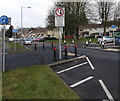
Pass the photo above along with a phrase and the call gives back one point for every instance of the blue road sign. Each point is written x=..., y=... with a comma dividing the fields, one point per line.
x=113, y=26
x=3, y=19
x=15, y=30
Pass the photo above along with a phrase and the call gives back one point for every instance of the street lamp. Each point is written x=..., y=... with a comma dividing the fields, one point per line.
x=22, y=22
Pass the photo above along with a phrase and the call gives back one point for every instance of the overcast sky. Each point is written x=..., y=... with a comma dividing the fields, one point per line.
x=32, y=17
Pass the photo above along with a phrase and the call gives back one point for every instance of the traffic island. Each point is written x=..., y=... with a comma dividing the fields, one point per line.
x=10, y=48
x=35, y=82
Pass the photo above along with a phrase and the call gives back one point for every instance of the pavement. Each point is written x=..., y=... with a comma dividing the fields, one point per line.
x=107, y=47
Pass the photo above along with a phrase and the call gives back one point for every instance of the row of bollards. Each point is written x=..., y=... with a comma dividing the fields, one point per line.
x=55, y=49
x=43, y=45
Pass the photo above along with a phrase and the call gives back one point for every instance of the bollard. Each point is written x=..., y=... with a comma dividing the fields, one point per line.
x=66, y=47
x=43, y=46
x=103, y=44
x=75, y=50
x=52, y=45
x=55, y=59
x=35, y=46
x=86, y=43
x=90, y=40
x=73, y=41
x=64, y=42
x=100, y=43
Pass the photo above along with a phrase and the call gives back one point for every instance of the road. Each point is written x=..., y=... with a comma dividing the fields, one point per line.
x=105, y=72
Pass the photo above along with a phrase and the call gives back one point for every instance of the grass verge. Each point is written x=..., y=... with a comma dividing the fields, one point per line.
x=68, y=41
x=19, y=48
x=35, y=82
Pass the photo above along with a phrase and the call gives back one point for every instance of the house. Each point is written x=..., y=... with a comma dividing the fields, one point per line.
x=94, y=30
x=43, y=32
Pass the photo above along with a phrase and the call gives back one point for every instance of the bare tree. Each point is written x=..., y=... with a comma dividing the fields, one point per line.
x=74, y=16
x=101, y=12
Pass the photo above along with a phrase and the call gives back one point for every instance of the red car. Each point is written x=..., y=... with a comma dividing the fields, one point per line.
x=39, y=39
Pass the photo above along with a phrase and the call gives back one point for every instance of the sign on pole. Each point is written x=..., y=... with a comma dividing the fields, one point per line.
x=3, y=21
x=60, y=17
x=60, y=22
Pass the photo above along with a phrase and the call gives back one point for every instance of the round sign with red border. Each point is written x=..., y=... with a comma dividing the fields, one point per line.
x=59, y=12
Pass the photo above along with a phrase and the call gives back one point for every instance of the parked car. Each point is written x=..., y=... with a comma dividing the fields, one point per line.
x=11, y=39
x=106, y=39
x=39, y=39
x=27, y=42
x=117, y=40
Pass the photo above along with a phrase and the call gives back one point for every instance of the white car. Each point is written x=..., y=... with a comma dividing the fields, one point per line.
x=11, y=39
x=27, y=42
x=106, y=39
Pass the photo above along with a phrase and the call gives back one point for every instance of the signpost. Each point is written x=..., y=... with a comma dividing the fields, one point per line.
x=60, y=23
x=15, y=31
x=3, y=21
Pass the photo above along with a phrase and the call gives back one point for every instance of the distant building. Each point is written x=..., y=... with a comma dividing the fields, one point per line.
x=94, y=30
x=43, y=32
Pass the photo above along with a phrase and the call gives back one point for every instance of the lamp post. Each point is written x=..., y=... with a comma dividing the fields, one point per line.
x=22, y=23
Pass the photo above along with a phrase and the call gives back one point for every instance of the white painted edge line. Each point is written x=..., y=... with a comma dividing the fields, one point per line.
x=90, y=63
x=80, y=82
x=106, y=91
x=71, y=68
x=27, y=48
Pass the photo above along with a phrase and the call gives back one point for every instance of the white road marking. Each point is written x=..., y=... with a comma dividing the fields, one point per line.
x=28, y=48
x=80, y=82
x=106, y=91
x=90, y=63
x=71, y=68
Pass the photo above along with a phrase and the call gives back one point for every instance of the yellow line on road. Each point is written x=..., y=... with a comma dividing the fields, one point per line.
x=110, y=49
x=2, y=53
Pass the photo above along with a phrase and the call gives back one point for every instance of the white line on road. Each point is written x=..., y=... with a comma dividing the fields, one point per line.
x=90, y=63
x=82, y=81
x=106, y=91
x=28, y=48
x=72, y=67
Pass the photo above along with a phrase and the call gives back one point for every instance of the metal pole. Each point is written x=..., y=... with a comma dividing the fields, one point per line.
x=3, y=64
x=15, y=43
x=60, y=36
x=21, y=25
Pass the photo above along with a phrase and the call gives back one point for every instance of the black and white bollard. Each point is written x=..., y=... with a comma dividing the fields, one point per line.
x=35, y=46
x=75, y=50
x=90, y=40
x=64, y=41
x=100, y=42
x=73, y=41
x=103, y=44
x=54, y=49
x=86, y=43
x=66, y=47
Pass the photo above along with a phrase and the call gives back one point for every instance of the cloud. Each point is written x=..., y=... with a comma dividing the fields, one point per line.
x=31, y=17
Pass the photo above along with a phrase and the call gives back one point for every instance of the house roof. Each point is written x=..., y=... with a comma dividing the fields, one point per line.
x=40, y=30
x=90, y=26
